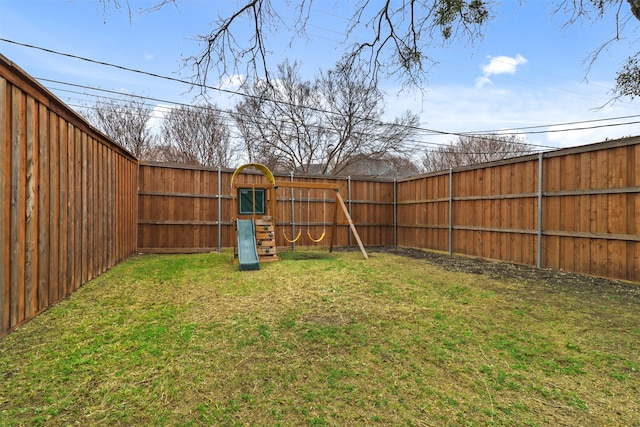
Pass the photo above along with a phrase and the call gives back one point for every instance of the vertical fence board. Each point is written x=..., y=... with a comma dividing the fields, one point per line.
x=17, y=208
x=93, y=208
x=109, y=216
x=85, y=225
x=43, y=208
x=117, y=214
x=31, y=211
x=79, y=202
x=54, y=207
x=71, y=200
x=102, y=192
x=122, y=208
x=5, y=199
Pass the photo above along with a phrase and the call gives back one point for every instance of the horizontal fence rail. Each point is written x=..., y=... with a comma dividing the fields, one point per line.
x=67, y=199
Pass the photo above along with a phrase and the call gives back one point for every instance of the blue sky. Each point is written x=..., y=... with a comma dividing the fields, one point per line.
x=527, y=71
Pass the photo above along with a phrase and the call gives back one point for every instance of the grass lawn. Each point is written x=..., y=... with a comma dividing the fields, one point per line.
x=322, y=339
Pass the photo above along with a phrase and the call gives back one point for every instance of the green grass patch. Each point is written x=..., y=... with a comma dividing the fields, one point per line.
x=320, y=339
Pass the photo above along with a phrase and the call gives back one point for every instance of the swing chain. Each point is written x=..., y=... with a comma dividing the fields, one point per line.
x=284, y=234
x=324, y=231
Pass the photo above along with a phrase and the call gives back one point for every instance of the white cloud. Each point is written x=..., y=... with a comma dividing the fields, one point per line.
x=499, y=65
x=149, y=56
x=482, y=81
x=232, y=81
x=564, y=136
x=503, y=64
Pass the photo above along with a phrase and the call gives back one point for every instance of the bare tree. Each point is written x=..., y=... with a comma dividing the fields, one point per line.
x=628, y=77
x=401, y=35
x=319, y=126
x=354, y=119
x=474, y=149
x=279, y=123
x=196, y=135
x=126, y=122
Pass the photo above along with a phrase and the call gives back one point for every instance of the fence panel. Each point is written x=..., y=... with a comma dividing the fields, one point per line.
x=590, y=204
x=423, y=212
x=590, y=201
x=51, y=239
x=178, y=209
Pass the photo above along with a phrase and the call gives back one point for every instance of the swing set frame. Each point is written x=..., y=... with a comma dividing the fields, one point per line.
x=297, y=236
x=273, y=186
x=339, y=205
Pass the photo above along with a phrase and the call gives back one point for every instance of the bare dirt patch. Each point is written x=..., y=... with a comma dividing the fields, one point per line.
x=587, y=287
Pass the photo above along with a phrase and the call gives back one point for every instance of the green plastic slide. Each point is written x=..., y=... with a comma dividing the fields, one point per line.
x=247, y=249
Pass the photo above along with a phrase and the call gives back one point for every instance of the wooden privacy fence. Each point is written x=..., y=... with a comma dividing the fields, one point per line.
x=575, y=209
x=190, y=209
x=67, y=199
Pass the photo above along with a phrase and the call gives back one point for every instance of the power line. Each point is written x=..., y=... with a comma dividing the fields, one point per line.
x=228, y=113
x=477, y=134
x=558, y=124
x=519, y=131
x=509, y=131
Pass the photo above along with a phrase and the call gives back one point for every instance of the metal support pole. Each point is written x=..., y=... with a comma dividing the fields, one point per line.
x=293, y=214
x=450, y=211
x=539, y=256
x=395, y=213
x=350, y=214
x=219, y=210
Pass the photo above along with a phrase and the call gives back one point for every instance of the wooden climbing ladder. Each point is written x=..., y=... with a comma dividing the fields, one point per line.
x=266, y=239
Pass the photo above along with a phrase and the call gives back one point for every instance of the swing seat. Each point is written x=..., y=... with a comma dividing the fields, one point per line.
x=294, y=240
x=316, y=240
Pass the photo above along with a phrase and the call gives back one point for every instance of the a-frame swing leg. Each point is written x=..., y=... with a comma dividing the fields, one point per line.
x=334, y=225
x=351, y=224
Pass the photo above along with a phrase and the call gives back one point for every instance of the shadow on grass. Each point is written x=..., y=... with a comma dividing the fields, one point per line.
x=302, y=256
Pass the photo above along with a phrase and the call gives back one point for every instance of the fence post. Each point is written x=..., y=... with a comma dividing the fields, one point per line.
x=450, y=211
x=539, y=256
x=293, y=214
x=219, y=210
x=350, y=214
x=395, y=213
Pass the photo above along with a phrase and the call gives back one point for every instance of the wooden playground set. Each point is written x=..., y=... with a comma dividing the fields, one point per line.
x=255, y=218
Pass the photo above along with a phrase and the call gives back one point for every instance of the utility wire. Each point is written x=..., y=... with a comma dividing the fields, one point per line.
x=417, y=144
x=231, y=92
x=227, y=113
x=508, y=131
x=558, y=124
